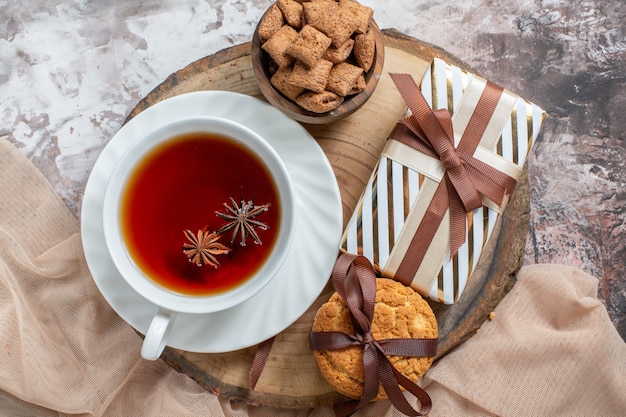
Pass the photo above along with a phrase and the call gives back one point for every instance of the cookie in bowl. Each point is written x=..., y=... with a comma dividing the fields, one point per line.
x=317, y=61
x=399, y=312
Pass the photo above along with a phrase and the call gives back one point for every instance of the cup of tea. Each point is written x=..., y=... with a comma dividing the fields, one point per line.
x=198, y=217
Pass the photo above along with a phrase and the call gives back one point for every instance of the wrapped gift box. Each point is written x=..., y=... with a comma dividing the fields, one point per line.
x=389, y=214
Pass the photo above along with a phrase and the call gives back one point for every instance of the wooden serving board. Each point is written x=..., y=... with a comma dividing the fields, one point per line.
x=290, y=378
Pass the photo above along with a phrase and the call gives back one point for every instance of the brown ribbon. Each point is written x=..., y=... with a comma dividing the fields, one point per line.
x=258, y=363
x=354, y=280
x=466, y=178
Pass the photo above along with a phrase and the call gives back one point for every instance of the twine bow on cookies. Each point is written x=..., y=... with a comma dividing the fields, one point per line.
x=466, y=179
x=354, y=280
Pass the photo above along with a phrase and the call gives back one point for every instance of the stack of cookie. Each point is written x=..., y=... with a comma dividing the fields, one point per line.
x=320, y=50
x=399, y=312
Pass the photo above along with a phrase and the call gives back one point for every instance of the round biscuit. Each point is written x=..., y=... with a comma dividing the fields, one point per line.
x=399, y=312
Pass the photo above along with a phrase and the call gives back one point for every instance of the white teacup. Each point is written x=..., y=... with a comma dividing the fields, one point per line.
x=171, y=302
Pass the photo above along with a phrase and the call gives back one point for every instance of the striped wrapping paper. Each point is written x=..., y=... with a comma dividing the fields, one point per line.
x=400, y=187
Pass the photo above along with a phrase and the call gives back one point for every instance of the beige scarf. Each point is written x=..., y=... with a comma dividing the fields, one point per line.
x=551, y=349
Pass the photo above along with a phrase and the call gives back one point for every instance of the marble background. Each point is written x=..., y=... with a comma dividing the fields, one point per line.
x=70, y=71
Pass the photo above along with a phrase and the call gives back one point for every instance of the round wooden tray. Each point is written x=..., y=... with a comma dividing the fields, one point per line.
x=290, y=378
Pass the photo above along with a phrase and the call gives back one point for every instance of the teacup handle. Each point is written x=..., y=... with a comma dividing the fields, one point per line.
x=157, y=334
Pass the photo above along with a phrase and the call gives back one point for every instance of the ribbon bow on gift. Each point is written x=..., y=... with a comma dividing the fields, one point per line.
x=355, y=281
x=466, y=178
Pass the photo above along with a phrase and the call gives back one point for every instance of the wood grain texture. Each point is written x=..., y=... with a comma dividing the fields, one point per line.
x=290, y=378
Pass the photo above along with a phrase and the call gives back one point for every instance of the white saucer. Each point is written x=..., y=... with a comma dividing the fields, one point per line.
x=309, y=263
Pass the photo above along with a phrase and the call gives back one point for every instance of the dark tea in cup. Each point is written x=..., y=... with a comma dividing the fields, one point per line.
x=181, y=185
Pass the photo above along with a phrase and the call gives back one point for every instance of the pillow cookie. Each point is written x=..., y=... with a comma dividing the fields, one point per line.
x=277, y=45
x=399, y=312
x=309, y=46
x=271, y=24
